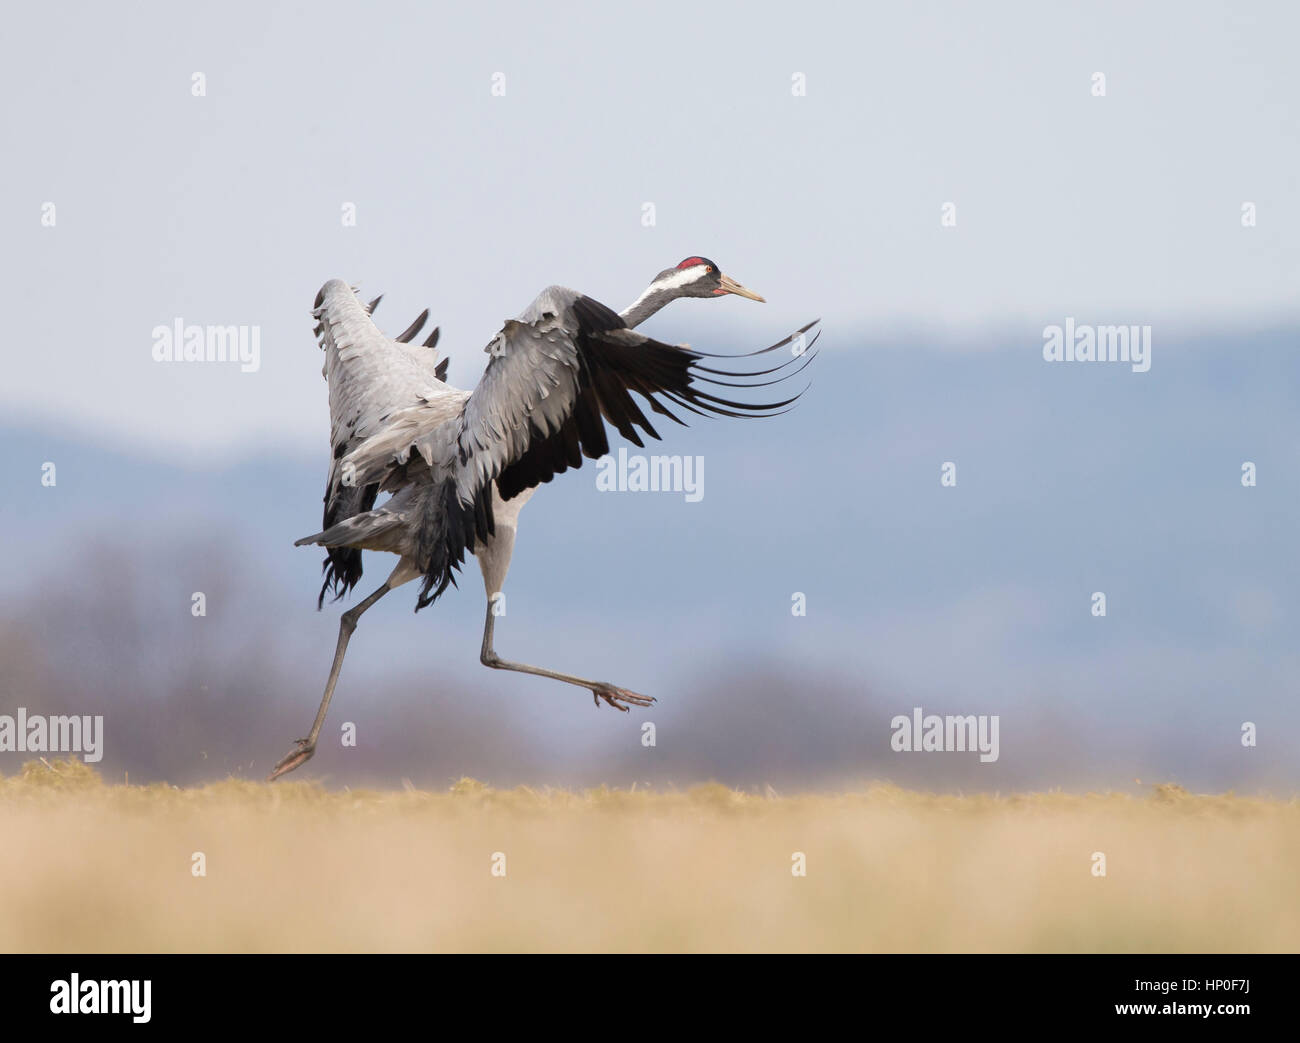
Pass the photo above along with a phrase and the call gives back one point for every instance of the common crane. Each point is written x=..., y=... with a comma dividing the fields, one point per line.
x=461, y=465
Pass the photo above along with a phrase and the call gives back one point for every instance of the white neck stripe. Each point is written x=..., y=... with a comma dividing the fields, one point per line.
x=683, y=277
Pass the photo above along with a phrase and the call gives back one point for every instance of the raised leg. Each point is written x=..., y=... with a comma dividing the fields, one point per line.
x=304, y=748
x=494, y=562
x=612, y=694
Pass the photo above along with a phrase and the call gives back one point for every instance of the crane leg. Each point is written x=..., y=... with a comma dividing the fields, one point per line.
x=612, y=694
x=304, y=748
x=494, y=561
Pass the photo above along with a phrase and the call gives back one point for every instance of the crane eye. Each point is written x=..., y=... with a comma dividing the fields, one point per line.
x=708, y=268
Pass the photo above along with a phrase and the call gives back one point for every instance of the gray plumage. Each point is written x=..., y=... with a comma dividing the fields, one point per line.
x=369, y=376
x=461, y=465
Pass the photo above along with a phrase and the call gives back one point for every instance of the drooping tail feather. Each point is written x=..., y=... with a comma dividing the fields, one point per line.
x=342, y=565
x=448, y=528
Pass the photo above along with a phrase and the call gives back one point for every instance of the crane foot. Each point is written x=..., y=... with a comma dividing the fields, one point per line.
x=616, y=696
x=300, y=754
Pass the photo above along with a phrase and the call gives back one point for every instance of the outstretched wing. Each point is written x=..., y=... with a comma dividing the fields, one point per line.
x=557, y=376
x=370, y=376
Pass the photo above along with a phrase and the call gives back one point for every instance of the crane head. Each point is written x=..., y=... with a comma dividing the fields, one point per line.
x=699, y=277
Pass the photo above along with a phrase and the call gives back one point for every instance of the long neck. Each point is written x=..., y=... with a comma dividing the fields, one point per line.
x=655, y=297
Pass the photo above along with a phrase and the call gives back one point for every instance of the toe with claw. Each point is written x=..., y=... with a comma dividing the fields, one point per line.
x=300, y=754
x=616, y=696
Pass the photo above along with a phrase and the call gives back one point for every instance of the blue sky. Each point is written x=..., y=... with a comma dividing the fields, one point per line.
x=226, y=208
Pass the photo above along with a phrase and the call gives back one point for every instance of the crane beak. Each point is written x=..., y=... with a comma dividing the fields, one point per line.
x=729, y=285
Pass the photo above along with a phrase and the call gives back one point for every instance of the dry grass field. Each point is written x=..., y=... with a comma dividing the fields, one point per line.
x=89, y=866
